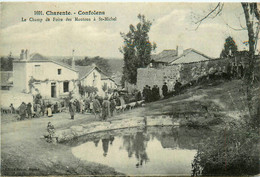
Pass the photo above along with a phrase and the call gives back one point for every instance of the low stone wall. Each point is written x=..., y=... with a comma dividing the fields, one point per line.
x=84, y=129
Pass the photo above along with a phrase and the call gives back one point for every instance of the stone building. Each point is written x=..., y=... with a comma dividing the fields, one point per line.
x=171, y=65
x=178, y=56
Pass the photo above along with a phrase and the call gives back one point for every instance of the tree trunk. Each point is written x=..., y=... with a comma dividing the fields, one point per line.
x=251, y=60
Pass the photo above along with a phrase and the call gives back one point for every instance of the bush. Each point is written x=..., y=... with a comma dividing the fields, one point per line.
x=232, y=151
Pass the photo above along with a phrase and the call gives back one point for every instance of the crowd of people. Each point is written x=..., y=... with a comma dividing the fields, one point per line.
x=101, y=108
x=153, y=94
x=35, y=111
x=97, y=105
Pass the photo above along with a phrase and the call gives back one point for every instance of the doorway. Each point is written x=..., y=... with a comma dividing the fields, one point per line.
x=53, y=90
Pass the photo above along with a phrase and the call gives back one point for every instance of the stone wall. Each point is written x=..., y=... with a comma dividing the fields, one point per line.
x=94, y=127
x=183, y=72
x=154, y=76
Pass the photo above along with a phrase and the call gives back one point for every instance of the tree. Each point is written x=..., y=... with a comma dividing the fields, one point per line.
x=7, y=63
x=87, y=89
x=252, y=19
x=229, y=46
x=242, y=147
x=137, y=49
x=98, y=61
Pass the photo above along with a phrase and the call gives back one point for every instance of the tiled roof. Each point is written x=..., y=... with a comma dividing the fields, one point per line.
x=103, y=76
x=165, y=56
x=84, y=70
x=169, y=56
x=36, y=57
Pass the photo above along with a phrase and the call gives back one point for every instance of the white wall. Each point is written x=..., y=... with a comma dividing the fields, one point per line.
x=49, y=70
x=44, y=88
x=46, y=73
x=19, y=77
x=110, y=84
x=88, y=81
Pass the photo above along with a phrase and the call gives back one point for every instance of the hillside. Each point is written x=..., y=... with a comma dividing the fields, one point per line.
x=116, y=65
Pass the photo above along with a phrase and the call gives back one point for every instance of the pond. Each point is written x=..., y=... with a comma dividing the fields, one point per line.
x=139, y=151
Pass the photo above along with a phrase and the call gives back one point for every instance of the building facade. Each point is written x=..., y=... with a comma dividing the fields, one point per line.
x=38, y=74
x=171, y=65
x=54, y=79
x=95, y=77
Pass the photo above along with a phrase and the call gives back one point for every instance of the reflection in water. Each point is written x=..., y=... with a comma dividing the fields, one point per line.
x=96, y=142
x=163, y=150
x=105, y=144
x=137, y=144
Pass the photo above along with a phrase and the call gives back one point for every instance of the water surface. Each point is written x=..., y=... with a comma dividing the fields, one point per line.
x=155, y=150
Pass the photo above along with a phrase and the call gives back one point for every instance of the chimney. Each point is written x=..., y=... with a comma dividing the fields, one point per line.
x=73, y=59
x=26, y=54
x=22, y=54
x=179, y=50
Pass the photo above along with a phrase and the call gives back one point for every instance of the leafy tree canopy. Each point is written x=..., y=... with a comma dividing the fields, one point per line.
x=230, y=47
x=98, y=61
x=136, y=49
x=7, y=63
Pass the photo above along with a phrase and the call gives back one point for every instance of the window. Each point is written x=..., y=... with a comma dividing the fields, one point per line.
x=37, y=69
x=65, y=87
x=59, y=71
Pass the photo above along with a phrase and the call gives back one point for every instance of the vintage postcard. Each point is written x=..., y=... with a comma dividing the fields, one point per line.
x=130, y=89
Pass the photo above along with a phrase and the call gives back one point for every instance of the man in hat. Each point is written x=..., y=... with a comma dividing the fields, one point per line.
x=105, y=108
x=165, y=90
x=96, y=107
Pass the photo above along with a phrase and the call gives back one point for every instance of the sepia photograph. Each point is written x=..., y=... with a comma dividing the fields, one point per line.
x=130, y=88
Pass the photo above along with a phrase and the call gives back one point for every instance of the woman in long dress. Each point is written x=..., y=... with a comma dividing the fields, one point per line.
x=49, y=111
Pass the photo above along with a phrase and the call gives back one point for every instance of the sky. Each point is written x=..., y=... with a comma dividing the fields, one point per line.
x=173, y=24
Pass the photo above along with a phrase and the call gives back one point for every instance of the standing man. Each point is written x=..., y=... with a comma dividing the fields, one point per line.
x=112, y=105
x=43, y=107
x=145, y=93
x=177, y=87
x=96, y=107
x=165, y=90
x=56, y=107
x=12, y=108
x=157, y=92
x=105, y=109
x=29, y=110
x=72, y=109
x=22, y=111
